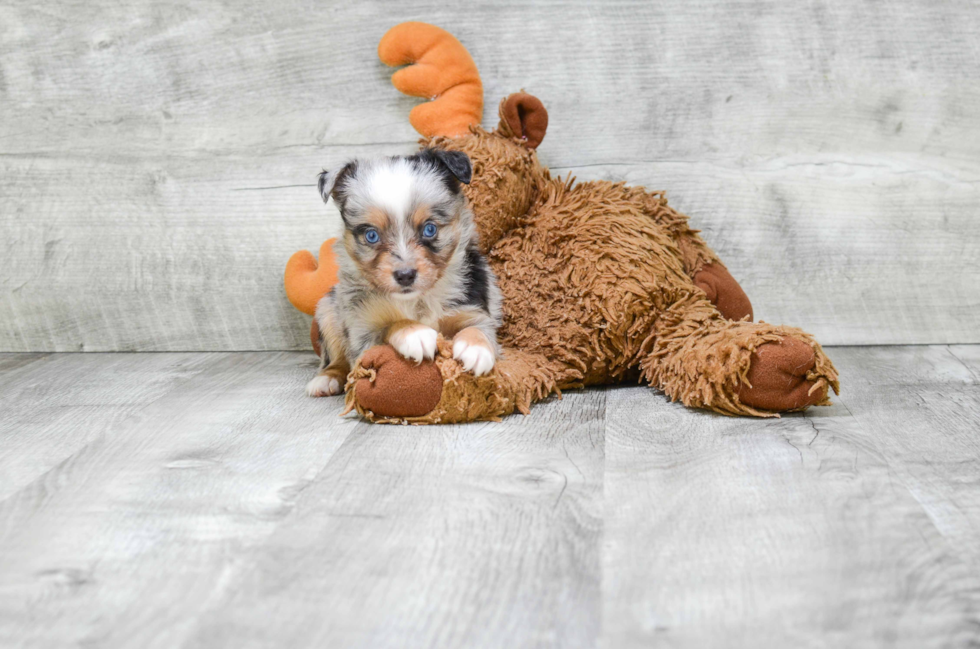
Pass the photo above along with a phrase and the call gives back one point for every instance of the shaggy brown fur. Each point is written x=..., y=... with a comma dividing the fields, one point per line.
x=602, y=283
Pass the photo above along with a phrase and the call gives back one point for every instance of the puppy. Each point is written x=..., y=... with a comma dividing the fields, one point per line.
x=410, y=267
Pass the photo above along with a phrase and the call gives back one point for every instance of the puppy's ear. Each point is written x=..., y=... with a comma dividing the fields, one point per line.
x=325, y=184
x=457, y=162
x=332, y=183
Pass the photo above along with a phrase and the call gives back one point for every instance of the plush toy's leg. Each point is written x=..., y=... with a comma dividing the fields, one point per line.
x=698, y=357
x=723, y=291
x=385, y=387
x=700, y=261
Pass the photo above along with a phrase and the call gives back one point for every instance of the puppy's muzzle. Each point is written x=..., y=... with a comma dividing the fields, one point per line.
x=405, y=277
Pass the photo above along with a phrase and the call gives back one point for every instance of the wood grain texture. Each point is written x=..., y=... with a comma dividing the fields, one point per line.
x=54, y=405
x=137, y=532
x=477, y=535
x=235, y=511
x=855, y=525
x=157, y=161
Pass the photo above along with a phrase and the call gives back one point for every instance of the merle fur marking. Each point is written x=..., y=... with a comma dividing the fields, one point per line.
x=476, y=280
x=453, y=166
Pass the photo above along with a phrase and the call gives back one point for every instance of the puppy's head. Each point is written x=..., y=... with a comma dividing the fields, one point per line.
x=404, y=217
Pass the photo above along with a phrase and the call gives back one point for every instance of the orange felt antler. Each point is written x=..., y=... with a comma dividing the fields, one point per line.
x=443, y=70
x=307, y=281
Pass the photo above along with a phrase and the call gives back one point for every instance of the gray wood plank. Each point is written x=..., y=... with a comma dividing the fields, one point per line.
x=969, y=356
x=483, y=535
x=10, y=362
x=53, y=405
x=854, y=525
x=921, y=407
x=126, y=541
x=156, y=161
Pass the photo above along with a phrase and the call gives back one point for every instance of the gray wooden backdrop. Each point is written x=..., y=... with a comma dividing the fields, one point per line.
x=158, y=160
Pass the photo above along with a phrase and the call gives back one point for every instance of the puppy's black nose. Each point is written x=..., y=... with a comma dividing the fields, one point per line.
x=406, y=277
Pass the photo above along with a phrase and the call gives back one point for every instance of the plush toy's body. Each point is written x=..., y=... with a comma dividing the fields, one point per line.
x=602, y=283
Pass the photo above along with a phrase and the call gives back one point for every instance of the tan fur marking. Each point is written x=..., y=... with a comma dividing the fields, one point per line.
x=429, y=266
x=338, y=369
x=420, y=216
x=377, y=217
x=455, y=323
x=350, y=244
x=380, y=314
x=473, y=336
x=379, y=270
x=334, y=340
x=400, y=325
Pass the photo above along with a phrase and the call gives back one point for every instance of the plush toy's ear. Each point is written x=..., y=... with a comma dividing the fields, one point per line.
x=524, y=116
x=457, y=162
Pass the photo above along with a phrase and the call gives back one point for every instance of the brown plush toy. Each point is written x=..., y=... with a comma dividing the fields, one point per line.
x=602, y=283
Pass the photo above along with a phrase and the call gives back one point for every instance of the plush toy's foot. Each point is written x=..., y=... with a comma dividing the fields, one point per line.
x=723, y=291
x=777, y=378
x=392, y=386
x=736, y=368
x=385, y=387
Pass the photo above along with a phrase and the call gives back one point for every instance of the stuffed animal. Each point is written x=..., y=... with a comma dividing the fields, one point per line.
x=602, y=283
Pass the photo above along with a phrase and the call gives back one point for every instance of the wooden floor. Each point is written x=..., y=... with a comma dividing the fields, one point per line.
x=200, y=500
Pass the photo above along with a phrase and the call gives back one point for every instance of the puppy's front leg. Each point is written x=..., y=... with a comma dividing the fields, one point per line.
x=329, y=380
x=474, y=348
x=332, y=373
x=412, y=339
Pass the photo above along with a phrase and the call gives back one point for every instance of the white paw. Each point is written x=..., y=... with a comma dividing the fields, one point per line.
x=415, y=343
x=474, y=358
x=323, y=386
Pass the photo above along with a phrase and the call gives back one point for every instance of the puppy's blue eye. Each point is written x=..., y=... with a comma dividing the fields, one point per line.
x=429, y=230
x=372, y=236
